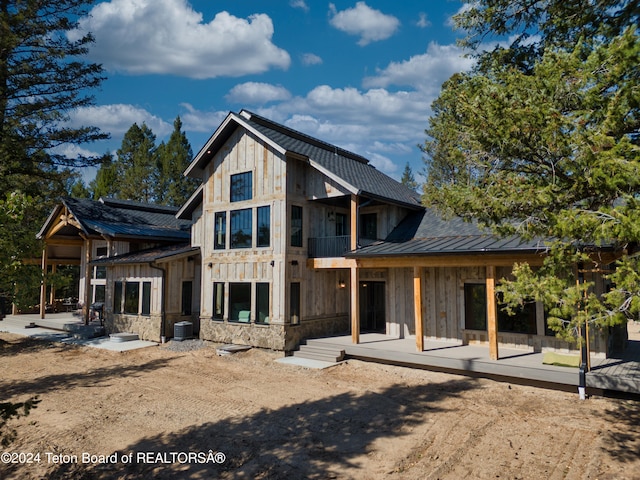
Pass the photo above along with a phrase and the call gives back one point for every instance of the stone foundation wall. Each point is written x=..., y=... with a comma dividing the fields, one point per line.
x=147, y=328
x=314, y=328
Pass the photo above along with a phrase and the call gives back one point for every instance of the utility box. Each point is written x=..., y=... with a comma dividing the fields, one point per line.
x=182, y=331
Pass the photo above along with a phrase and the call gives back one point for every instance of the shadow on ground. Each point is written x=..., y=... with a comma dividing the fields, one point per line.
x=326, y=438
x=623, y=443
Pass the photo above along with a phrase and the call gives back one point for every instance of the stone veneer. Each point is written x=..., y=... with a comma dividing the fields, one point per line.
x=147, y=327
x=275, y=336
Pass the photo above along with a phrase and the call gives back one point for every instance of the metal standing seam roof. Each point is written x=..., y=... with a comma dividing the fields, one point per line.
x=428, y=233
x=147, y=256
x=121, y=218
x=350, y=167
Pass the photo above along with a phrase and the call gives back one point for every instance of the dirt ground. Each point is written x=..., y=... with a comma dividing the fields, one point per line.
x=155, y=413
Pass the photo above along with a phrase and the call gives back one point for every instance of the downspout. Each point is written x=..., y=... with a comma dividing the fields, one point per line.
x=163, y=315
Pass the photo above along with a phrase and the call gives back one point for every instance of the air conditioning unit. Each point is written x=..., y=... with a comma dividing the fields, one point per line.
x=182, y=331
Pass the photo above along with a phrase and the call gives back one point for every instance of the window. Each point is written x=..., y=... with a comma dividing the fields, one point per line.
x=341, y=225
x=241, y=187
x=294, y=303
x=100, y=272
x=220, y=231
x=296, y=226
x=240, y=302
x=264, y=226
x=369, y=226
x=146, y=298
x=262, y=303
x=101, y=251
x=117, y=297
x=475, y=312
x=131, y=297
x=475, y=306
x=187, y=289
x=241, y=228
x=99, y=293
x=218, y=301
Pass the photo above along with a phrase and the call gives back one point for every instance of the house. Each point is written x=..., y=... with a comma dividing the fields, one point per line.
x=130, y=255
x=300, y=239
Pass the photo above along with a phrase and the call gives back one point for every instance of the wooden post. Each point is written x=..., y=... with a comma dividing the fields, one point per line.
x=43, y=283
x=52, y=291
x=355, y=304
x=354, y=222
x=417, y=306
x=87, y=281
x=492, y=313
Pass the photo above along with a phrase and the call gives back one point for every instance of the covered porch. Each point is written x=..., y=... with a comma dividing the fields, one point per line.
x=621, y=375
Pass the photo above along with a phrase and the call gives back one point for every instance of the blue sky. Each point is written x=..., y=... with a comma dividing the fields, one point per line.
x=359, y=74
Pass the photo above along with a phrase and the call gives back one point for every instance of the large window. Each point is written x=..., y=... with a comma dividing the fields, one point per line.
x=241, y=231
x=262, y=303
x=131, y=297
x=475, y=310
x=369, y=226
x=146, y=298
x=218, y=301
x=241, y=187
x=117, y=297
x=99, y=293
x=296, y=226
x=220, y=231
x=294, y=303
x=240, y=302
x=264, y=226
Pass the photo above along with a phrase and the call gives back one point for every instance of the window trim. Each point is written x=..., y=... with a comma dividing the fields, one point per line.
x=222, y=232
x=238, y=212
x=244, y=192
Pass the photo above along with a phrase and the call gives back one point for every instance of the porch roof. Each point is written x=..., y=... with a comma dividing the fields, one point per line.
x=427, y=233
x=160, y=254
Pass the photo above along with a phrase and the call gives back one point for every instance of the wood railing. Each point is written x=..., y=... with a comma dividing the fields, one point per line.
x=326, y=247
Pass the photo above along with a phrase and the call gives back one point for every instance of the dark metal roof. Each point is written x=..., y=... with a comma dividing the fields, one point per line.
x=122, y=218
x=350, y=167
x=150, y=255
x=428, y=233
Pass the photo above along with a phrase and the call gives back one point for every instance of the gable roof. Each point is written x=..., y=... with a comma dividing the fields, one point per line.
x=122, y=218
x=428, y=233
x=348, y=169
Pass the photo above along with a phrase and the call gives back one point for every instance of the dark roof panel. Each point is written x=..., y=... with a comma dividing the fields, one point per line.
x=150, y=255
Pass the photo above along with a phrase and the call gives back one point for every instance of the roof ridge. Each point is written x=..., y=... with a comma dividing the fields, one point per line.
x=303, y=137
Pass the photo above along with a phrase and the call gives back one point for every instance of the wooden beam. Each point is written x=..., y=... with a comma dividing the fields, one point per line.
x=417, y=306
x=354, y=222
x=492, y=313
x=43, y=284
x=355, y=304
x=333, y=262
x=477, y=260
x=87, y=281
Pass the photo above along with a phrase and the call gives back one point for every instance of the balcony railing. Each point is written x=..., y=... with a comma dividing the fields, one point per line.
x=326, y=247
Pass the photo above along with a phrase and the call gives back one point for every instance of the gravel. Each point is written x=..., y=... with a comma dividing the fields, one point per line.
x=185, y=345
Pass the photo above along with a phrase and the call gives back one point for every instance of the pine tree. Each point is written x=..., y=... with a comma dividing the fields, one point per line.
x=172, y=187
x=408, y=179
x=136, y=164
x=106, y=183
x=541, y=140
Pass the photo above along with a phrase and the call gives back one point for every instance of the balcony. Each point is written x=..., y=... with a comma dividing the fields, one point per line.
x=328, y=247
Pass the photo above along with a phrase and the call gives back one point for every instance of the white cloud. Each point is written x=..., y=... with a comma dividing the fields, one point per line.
x=425, y=72
x=257, y=93
x=73, y=151
x=116, y=119
x=301, y=4
x=423, y=21
x=369, y=24
x=169, y=37
x=311, y=59
x=194, y=120
x=382, y=163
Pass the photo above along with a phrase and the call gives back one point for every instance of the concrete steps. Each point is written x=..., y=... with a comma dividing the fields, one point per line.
x=123, y=337
x=320, y=352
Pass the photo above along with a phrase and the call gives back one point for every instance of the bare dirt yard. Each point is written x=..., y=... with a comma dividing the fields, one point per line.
x=157, y=413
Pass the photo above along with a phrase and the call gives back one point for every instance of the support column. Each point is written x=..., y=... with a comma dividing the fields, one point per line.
x=52, y=291
x=355, y=305
x=87, y=281
x=417, y=306
x=354, y=222
x=492, y=313
x=43, y=283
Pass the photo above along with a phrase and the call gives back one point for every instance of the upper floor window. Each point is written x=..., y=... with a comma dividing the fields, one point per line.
x=241, y=231
x=241, y=187
x=369, y=226
x=296, y=226
x=220, y=231
x=101, y=251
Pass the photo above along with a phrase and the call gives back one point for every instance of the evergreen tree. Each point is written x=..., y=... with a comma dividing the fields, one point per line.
x=105, y=184
x=408, y=179
x=42, y=78
x=541, y=140
x=136, y=165
x=172, y=187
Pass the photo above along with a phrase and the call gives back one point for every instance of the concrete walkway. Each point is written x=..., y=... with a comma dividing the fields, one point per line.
x=54, y=328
